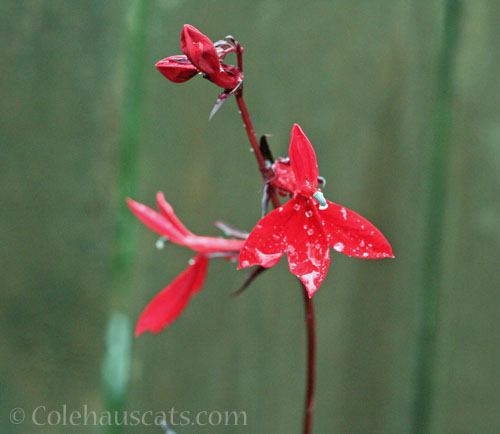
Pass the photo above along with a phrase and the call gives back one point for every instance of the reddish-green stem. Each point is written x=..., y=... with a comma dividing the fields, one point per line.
x=264, y=170
x=309, y=308
x=311, y=363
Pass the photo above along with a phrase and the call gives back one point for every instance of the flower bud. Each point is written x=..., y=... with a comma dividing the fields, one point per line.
x=199, y=49
x=177, y=68
x=228, y=78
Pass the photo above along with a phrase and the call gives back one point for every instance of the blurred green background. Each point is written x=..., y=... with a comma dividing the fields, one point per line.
x=365, y=81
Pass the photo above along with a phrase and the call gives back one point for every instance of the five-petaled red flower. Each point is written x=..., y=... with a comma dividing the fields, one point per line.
x=169, y=303
x=308, y=224
x=201, y=55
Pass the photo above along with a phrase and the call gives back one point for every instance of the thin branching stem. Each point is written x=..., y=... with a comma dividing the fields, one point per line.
x=308, y=303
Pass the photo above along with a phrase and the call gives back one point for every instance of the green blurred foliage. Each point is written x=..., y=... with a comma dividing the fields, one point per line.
x=360, y=78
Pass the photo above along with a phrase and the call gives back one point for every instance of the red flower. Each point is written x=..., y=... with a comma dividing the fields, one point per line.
x=201, y=56
x=168, y=304
x=308, y=224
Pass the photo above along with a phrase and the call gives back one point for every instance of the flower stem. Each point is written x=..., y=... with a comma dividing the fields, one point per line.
x=311, y=363
x=308, y=303
x=431, y=272
x=264, y=170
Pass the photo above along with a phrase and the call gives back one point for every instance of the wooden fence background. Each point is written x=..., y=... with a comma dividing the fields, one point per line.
x=363, y=80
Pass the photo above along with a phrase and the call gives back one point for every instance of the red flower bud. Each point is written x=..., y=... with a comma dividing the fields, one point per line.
x=199, y=49
x=177, y=68
x=228, y=78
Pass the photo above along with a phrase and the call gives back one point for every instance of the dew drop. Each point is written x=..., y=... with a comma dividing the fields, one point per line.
x=343, y=211
x=362, y=243
x=365, y=255
x=339, y=247
x=296, y=207
x=310, y=231
x=309, y=213
x=160, y=243
x=191, y=261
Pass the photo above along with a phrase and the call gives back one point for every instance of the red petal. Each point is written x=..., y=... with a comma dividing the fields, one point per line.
x=213, y=244
x=156, y=221
x=295, y=229
x=168, y=225
x=303, y=160
x=285, y=178
x=229, y=78
x=177, y=68
x=172, y=300
x=167, y=210
x=267, y=242
x=199, y=49
x=308, y=252
x=353, y=235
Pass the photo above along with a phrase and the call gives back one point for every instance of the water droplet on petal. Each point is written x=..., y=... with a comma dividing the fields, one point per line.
x=365, y=255
x=339, y=247
x=343, y=211
x=309, y=213
x=296, y=207
x=362, y=243
x=310, y=231
x=191, y=261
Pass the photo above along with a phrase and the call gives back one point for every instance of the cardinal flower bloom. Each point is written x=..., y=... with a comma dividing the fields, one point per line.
x=201, y=55
x=168, y=304
x=308, y=224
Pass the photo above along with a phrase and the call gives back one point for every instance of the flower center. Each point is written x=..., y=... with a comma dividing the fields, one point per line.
x=318, y=195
